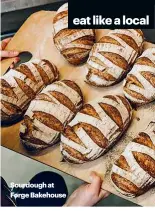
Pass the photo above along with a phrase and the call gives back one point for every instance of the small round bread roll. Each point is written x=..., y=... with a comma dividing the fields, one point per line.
x=95, y=129
x=74, y=44
x=134, y=172
x=19, y=86
x=48, y=113
x=111, y=58
x=139, y=85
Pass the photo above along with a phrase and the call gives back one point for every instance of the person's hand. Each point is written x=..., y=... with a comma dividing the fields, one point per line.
x=88, y=194
x=8, y=54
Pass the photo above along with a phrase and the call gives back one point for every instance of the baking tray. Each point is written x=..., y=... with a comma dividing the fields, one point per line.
x=35, y=36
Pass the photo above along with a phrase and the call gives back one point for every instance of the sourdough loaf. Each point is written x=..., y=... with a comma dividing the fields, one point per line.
x=111, y=58
x=134, y=172
x=74, y=44
x=95, y=129
x=48, y=113
x=139, y=85
x=19, y=86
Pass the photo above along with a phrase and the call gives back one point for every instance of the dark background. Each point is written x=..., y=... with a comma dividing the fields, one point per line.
x=112, y=9
x=11, y=21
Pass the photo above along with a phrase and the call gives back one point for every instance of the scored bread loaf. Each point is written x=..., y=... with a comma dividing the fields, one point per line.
x=74, y=44
x=97, y=127
x=48, y=113
x=139, y=85
x=111, y=58
x=134, y=172
x=20, y=85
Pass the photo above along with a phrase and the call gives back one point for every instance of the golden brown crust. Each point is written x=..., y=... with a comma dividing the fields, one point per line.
x=49, y=120
x=107, y=39
x=87, y=40
x=44, y=97
x=135, y=95
x=13, y=109
x=103, y=75
x=130, y=41
x=6, y=89
x=74, y=55
x=116, y=59
x=28, y=140
x=112, y=97
x=94, y=133
x=147, y=75
x=60, y=16
x=89, y=110
x=26, y=89
x=113, y=113
x=73, y=85
x=140, y=32
x=42, y=74
x=145, y=140
x=64, y=32
x=150, y=77
x=22, y=68
x=63, y=100
x=145, y=162
x=98, y=61
x=125, y=102
x=27, y=136
x=70, y=133
x=125, y=184
x=73, y=152
x=133, y=80
x=122, y=163
x=29, y=126
x=53, y=68
x=145, y=61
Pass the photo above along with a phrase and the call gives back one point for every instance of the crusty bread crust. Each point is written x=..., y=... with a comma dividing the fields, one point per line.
x=134, y=172
x=112, y=56
x=74, y=44
x=48, y=113
x=95, y=129
x=19, y=86
x=139, y=85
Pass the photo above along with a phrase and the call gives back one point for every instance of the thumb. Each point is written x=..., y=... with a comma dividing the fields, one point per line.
x=104, y=194
x=96, y=183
